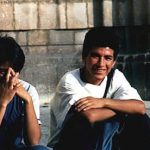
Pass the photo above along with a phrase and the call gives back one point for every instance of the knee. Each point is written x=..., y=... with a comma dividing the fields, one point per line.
x=89, y=117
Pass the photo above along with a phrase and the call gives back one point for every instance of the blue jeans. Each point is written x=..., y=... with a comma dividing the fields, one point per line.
x=36, y=147
x=105, y=139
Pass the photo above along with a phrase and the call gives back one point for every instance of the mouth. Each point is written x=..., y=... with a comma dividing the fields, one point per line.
x=99, y=71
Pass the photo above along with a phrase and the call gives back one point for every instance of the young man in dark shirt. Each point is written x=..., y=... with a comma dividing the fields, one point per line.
x=19, y=103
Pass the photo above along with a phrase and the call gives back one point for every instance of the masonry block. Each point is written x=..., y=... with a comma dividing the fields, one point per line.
x=25, y=16
x=38, y=37
x=62, y=18
x=37, y=50
x=61, y=37
x=90, y=12
x=79, y=36
x=47, y=15
x=107, y=13
x=6, y=17
x=22, y=38
x=74, y=19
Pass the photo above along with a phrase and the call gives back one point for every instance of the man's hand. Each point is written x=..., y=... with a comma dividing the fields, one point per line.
x=87, y=103
x=8, y=87
x=21, y=92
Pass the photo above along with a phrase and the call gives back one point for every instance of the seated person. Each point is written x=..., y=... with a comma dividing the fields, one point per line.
x=19, y=102
x=91, y=102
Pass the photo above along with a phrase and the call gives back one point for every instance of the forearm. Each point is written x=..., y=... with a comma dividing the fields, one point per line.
x=100, y=114
x=2, y=112
x=125, y=106
x=33, y=131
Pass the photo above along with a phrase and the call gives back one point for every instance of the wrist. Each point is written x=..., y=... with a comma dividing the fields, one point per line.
x=3, y=105
x=28, y=100
x=106, y=102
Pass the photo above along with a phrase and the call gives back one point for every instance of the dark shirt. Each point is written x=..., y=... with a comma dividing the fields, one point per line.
x=11, y=129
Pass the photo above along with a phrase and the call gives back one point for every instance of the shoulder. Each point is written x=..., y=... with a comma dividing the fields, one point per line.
x=118, y=76
x=27, y=86
x=30, y=89
x=71, y=76
x=118, y=73
x=119, y=80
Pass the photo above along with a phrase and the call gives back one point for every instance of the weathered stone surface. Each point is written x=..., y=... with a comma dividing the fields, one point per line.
x=22, y=38
x=74, y=19
x=48, y=15
x=79, y=36
x=25, y=16
x=107, y=13
x=61, y=37
x=6, y=17
x=37, y=37
x=62, y=17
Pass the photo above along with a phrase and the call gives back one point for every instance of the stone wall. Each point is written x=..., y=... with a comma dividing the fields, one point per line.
x=72, y=14
x=51, y=53
x=51, y=34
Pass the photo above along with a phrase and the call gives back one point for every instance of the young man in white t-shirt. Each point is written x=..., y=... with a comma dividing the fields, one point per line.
x=83, y=115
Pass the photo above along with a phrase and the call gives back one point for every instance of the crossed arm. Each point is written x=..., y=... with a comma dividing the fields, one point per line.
x=96, y=109
x=11, y=86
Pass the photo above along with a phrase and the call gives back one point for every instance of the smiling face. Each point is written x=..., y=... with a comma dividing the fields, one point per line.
x=98, y=64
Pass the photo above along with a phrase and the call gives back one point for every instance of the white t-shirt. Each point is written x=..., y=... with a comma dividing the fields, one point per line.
x=35, y=98
x=71, y=88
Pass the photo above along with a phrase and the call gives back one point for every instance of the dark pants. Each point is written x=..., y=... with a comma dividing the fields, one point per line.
x=79, y=134
x=36, y=147
x=136, y=133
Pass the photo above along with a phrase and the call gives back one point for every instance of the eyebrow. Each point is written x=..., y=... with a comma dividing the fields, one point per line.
x=94, y=53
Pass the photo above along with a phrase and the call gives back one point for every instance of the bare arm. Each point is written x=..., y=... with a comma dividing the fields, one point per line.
x=126, y=106
x=33, y=131
x=2, y=112
x=100, y=109
x=101, y=114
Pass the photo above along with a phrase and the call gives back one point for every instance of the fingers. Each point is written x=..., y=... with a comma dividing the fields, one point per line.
x=12, y=80
x=10, y=74
x=84, y=107
x=15, y=87
x=83, y=104
x=89, y=103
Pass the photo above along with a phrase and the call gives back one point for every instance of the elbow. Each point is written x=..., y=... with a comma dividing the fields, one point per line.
x=90, y=117
x=142, y=108
x=34, y=142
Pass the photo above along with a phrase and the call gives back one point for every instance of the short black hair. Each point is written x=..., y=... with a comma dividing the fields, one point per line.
x=101, y=37
x=11, y=52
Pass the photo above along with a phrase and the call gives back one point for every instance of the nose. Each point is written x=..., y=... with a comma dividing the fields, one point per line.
x=101, y=61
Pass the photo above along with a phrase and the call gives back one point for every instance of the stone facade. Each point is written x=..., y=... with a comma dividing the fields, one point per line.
x=51, y=53
x=51, y=34
x=71, y=14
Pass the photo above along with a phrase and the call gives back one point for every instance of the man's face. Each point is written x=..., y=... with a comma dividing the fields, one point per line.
x=3, y=69
x=98, y=64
